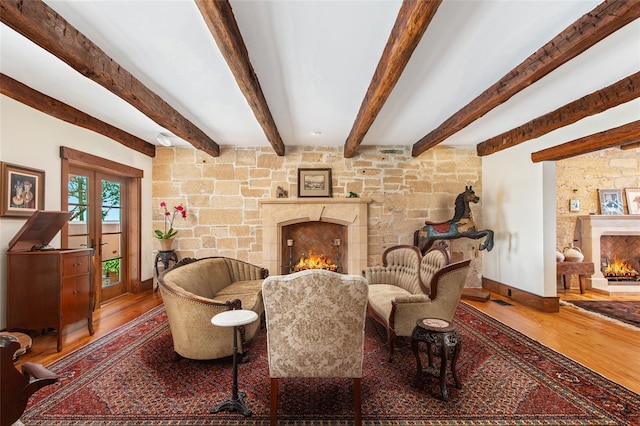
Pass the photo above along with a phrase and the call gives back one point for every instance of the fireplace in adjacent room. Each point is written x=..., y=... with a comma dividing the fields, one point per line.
x=606, y=239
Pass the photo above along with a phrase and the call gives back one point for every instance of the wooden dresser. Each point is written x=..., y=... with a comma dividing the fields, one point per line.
x=47, y=288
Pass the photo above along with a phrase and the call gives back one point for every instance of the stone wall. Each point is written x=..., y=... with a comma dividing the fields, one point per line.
x=222, y=193
x=580, y=178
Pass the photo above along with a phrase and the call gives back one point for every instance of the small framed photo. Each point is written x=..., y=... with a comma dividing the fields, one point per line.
x=633, y=200
x=314, y=183
x=22, y=191
x=574, y=205
x=611, y=201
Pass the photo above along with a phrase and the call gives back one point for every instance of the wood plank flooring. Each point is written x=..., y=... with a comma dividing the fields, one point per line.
x=604, y=346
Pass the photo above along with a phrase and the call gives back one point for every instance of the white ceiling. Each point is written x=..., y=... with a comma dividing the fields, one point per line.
x=315, y=59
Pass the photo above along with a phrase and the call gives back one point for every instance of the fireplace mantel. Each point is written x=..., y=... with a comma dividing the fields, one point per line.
x=595, y=226
x=350, y=212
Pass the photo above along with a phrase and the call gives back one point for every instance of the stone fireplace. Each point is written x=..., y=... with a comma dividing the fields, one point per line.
x=279, y=214
x=605, y=238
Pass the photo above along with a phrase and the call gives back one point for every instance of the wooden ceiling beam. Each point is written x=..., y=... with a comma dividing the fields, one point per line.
x=219, y=17
x=48, y=105
x=411, y=23
x=43, y=26
x=616, y=94
x=605, y=19
x=628, y=146
x=623, y=135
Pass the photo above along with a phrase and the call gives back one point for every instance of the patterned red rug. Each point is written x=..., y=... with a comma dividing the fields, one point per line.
x=129, y=378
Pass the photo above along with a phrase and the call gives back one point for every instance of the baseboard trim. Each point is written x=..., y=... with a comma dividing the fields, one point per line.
x=544, y=304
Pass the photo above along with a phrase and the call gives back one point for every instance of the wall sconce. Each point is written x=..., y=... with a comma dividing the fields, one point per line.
x=163, y=139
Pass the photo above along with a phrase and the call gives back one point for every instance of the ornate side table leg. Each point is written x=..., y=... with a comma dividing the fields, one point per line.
x=444, y=352
x=454, y=359
x=415, y=346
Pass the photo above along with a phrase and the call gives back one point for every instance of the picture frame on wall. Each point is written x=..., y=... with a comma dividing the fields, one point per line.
x=314, y=183
x=22, y=191
x=611, y=201
x=633, y=200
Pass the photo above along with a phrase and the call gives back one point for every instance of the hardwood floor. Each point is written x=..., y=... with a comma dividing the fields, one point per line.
x=604, y=346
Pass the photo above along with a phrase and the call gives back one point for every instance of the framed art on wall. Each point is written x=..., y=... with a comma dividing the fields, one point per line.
x=633, y=200
x=611, y=201
x=314, y=183
x=22, y=191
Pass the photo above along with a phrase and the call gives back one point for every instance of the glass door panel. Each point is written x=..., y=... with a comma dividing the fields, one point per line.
x=111, y=190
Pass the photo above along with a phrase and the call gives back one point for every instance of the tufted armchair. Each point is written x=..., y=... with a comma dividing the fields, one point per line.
x=400, y=286
x=315, y=328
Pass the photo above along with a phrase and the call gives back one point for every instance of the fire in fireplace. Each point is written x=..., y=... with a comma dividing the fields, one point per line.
x=315, y=261
x=620, y=270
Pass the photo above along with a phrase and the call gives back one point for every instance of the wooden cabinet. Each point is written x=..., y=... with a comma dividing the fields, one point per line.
x=49, y=289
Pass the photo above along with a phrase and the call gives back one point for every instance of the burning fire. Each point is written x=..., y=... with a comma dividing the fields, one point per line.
x=620, y=269
x=313, y=261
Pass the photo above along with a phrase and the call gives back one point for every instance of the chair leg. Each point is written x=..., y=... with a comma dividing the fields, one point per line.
x=357, y=401
x=273, y=408
x=391, y=338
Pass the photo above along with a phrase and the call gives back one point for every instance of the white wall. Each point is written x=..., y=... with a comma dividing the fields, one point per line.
x=33, y=139
x=519, y=204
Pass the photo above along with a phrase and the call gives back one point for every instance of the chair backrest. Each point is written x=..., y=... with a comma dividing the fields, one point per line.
x=446, y=289
x=403, y=267
x=432, y=261
x=315, y=324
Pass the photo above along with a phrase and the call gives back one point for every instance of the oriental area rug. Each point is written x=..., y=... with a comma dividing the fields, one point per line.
x=627, y=312
x=130, y=377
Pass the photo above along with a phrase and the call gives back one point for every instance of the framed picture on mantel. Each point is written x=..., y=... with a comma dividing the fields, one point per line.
x=633, y=200
x=611, y=201
x=314, y=183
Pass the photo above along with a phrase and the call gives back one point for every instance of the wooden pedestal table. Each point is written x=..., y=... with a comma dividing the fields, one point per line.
x=235, y=319
x=444, y=338
x=582, y=269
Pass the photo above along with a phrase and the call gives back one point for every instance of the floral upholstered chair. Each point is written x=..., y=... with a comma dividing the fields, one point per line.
x=399, y=289
x=315, y=328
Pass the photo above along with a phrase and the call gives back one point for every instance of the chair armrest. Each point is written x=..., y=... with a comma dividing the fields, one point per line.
x=37, y=371
x=411, y=298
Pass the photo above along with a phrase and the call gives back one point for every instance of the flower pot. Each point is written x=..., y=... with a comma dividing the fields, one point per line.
x=166, y=244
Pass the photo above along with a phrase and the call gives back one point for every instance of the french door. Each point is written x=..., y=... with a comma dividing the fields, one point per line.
x=98, y=203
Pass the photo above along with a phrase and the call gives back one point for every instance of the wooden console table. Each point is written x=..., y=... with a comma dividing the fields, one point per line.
x=582, y=269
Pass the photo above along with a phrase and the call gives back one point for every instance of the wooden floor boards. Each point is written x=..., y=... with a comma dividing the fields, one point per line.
x=604, y=346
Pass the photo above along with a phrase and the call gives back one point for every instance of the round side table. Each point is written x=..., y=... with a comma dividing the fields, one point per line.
x=165, y=257
x=443, y=336
x=235, y=319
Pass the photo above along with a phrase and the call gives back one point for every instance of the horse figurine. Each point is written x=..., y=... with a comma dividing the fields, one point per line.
x=461, y=225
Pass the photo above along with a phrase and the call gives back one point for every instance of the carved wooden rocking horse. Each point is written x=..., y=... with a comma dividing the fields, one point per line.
x=461, y=225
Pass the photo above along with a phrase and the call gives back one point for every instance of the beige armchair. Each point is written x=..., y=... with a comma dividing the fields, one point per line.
x=400, y=285
x=195, y=290
x=315, y=328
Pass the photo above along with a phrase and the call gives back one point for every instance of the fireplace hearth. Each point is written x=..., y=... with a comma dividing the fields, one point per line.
x=348, y=215
x=606, y=239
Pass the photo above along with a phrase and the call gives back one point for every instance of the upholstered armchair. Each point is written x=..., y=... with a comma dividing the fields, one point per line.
x=195, y=290
x=400, y=285
x=315, y=328
x=16, y=388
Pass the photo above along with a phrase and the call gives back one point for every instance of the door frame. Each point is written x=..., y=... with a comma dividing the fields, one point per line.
x=133, y=248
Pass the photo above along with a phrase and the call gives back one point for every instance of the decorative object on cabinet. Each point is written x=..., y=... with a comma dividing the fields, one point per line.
x=461, y=225
x=47, y=288
x=610, y=201
x=573, y=254
x=22, y=190
x=633, y=200
x=314, y=183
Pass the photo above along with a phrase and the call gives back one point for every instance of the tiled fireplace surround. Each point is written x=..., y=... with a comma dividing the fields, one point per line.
x=281, y=212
